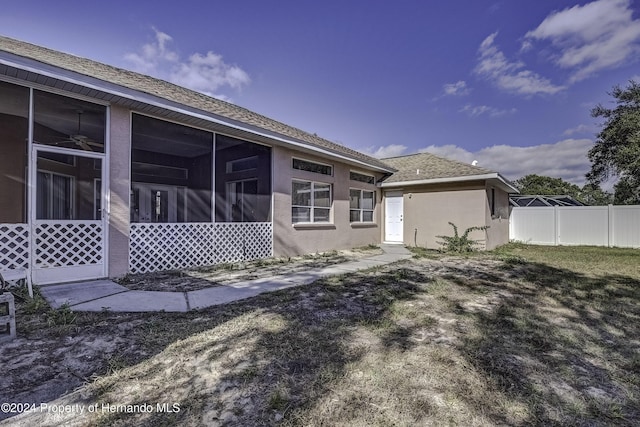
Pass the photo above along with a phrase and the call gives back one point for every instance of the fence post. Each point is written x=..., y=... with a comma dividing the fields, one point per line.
x=556, y=227
x=610, y=228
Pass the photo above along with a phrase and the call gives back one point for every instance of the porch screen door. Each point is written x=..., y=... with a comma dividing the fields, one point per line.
x=67, y=216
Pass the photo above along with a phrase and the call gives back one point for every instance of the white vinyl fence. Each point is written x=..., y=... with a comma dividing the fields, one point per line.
x=577, y=225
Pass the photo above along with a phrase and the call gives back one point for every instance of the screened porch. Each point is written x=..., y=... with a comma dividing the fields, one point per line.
x=197, y=198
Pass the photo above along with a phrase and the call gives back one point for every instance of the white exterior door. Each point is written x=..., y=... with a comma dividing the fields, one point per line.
x=67, y=219
x=393, y=209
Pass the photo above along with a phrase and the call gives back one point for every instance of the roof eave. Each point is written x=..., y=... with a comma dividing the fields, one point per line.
x=499, y=180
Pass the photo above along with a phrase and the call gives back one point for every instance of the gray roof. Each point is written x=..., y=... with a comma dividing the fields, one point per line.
x=177, y=94
x=427, y=166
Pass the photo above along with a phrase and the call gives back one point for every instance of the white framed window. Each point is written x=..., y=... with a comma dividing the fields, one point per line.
x=361, y=205
x=361, y=177
x=315, y=167
x=244, y=164
x=310, y=202
x=150, y=169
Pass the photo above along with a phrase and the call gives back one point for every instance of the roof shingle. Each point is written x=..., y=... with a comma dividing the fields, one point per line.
x=425, y=166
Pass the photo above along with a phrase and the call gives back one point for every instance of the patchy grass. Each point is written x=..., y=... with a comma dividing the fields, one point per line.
x=589, y=260
x=521, y=336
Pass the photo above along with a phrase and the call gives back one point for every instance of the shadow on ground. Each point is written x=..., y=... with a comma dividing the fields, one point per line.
x=257, y=362
x=563, y=345
x=415, y=343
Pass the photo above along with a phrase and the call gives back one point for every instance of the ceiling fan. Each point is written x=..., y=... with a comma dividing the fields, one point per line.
x=81, y=140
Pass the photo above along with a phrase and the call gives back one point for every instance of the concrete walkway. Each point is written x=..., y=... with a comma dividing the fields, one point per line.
x=101, y=295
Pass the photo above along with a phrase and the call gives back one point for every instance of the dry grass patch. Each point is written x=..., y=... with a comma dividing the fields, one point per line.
x=486, y=339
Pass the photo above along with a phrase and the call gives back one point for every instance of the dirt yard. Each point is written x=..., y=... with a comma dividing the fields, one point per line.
x=520, y=336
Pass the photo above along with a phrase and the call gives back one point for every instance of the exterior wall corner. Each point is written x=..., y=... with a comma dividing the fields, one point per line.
x=119, y=190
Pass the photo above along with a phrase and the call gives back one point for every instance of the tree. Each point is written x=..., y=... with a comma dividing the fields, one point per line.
x=590, y=194
x=545, y=185
x=617, y=147
x=593, y=195
x=626, y=193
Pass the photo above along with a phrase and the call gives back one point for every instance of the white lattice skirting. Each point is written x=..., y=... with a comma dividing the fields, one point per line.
x=68, y=243
x=170, y=246
x=14, y=246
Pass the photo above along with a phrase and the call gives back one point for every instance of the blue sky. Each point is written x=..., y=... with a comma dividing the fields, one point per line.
x=507, y=83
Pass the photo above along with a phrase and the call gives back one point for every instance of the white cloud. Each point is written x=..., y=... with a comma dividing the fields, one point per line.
x=450, y=151
x=391, y=150
x=565, y=159
x=590, y=38
x=458, y=88
x=580, y=129
x=153, y=55
x=206, y=73
x=508, y=75
x=478, y=110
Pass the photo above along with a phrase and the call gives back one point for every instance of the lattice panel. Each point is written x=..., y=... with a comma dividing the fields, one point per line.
x=170, y=246
x=68, y=243
x=14, y=246
x=243, y=241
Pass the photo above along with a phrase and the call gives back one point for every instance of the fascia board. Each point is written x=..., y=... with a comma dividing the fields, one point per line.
x=496, y=176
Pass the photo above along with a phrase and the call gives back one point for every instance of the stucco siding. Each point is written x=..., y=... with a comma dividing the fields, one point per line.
x=498, y=222
x=429, y=209
x=290, y=239
x=120, y=188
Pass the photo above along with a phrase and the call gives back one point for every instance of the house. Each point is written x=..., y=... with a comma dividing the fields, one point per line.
x=106, y=172
x=427, y=192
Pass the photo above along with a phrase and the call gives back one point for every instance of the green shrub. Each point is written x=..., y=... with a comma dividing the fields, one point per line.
x=460, y=244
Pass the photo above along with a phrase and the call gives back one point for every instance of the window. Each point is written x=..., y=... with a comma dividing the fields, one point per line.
x=305, y=165
x=361, y=204
x=242, y=200
x=159, y=171
x=310, y=202
x=360, y=177
x=245, y=164
x=54, y=196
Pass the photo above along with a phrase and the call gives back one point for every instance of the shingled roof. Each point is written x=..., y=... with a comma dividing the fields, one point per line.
x=427, y=168
x=176, y=94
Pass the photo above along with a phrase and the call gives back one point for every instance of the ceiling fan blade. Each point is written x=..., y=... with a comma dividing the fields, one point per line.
x=83, y=145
